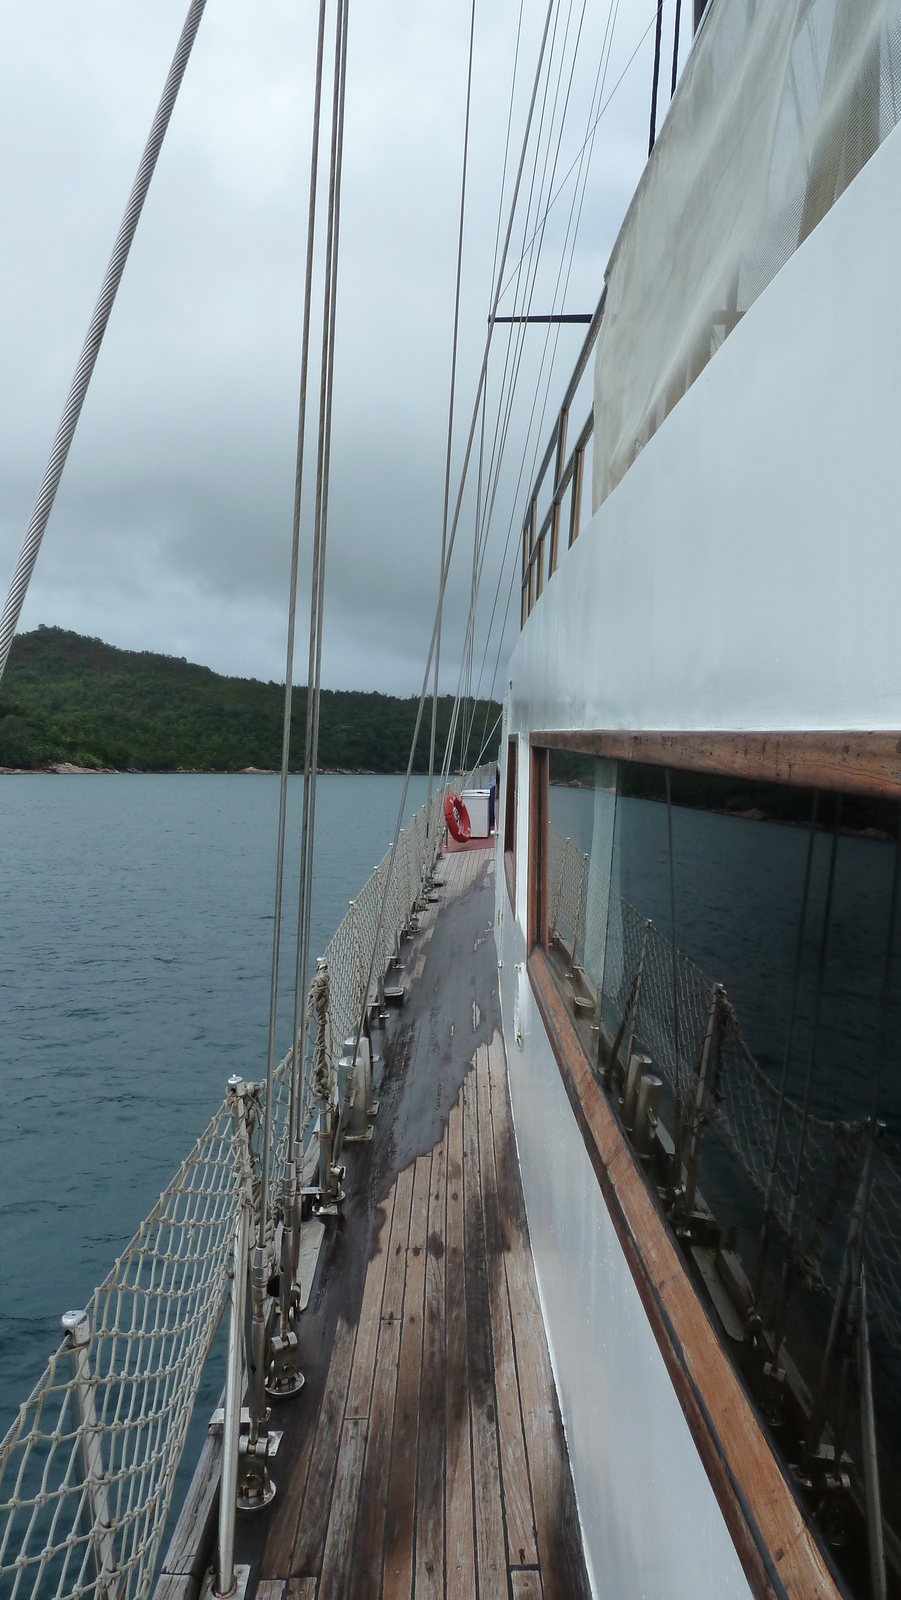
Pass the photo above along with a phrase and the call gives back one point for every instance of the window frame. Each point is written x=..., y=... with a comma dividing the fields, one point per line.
x=510, y=805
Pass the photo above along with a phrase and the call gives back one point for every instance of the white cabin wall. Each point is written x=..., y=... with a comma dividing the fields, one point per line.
x=745, y=573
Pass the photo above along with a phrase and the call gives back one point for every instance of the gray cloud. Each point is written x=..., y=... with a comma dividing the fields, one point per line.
x=172, y=526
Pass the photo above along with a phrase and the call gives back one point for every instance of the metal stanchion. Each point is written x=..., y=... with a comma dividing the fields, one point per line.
x=227, y=1577
x=255, y=1487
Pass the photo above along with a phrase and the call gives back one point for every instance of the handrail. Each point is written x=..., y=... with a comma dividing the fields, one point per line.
x=566, y=471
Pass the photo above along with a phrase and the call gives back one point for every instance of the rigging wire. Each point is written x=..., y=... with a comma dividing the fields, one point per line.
x=292, y=612
x=453, y=379
x=508, y=384
x=569, y=241
x=584, y=166
x=457, y=507
x=327, y=359
x=65, y=433
x=571, y=233
x=590, y=135
x=317, y=598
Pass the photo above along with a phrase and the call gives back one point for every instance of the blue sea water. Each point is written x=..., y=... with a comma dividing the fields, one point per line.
x=136, y=920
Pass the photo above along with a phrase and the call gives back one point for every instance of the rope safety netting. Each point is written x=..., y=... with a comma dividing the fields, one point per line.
x=88, y=1467
x=633, y=969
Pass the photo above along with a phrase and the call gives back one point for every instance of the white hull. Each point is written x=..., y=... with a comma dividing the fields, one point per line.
x=743, y=575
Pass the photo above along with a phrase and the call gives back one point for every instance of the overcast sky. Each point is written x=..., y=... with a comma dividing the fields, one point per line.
x=172, y=527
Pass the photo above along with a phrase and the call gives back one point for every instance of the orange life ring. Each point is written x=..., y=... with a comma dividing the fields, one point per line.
x=457, y=818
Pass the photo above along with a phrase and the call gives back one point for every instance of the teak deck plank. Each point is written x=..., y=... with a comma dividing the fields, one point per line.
x=400, y=1522
x=307, y=1556
x=526, y=1584
x=366, y=1574
x=490, y=1546
x=516, y=1487
x=359, y=1394
x=339, y=1540
x=458, y=1515
x=429, y=1578
x=175, y=1586
x=301, y=1589
x=396, y=1271
x=270, y=1589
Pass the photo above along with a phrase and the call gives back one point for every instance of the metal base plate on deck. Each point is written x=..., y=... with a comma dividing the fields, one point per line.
x=312, y=1234
x=210, y=1592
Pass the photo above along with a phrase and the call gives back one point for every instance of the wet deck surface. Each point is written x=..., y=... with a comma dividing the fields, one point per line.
x=426, y=1457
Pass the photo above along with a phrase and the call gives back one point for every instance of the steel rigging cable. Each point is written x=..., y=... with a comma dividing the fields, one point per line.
x=567, y=258
x=456, y=518
x=292, y=610
x=65, y=433
x=453, y=379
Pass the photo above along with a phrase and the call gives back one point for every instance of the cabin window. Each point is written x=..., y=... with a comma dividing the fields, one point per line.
x=581, y=808
x=735, y=943
x=510, y=822
x=779, y=896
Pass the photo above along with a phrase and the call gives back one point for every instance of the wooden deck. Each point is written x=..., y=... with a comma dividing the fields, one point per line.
x=435, y=1464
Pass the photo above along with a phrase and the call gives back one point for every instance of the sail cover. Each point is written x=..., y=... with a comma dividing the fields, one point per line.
x=780, y=105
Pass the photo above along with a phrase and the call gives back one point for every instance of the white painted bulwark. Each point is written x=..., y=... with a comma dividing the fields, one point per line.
x=651, y=1524
x=745, y=573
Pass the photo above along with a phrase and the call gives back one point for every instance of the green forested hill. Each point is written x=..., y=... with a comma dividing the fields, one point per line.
x=68, y=698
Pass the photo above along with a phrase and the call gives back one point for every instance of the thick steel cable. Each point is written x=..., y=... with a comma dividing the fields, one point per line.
x=453, y=386
x=317, y=596
x=297, y=1051
x=456, y=519
x=677, y=26
x=289, y=661
x=65, y=433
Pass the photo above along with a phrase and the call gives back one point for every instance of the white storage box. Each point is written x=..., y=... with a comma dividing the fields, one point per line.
x=476, y=803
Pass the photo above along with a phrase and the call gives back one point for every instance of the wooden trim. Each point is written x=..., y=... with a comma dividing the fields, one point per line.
x=510, y=805
x=777, y=1549
x=856, y=763
x=537, y=888
x=510, y=876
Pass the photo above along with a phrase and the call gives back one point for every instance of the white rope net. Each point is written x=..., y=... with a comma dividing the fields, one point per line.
x=347, y=957
x=87, y=1470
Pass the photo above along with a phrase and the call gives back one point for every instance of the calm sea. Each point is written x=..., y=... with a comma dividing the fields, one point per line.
x=136, y=926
